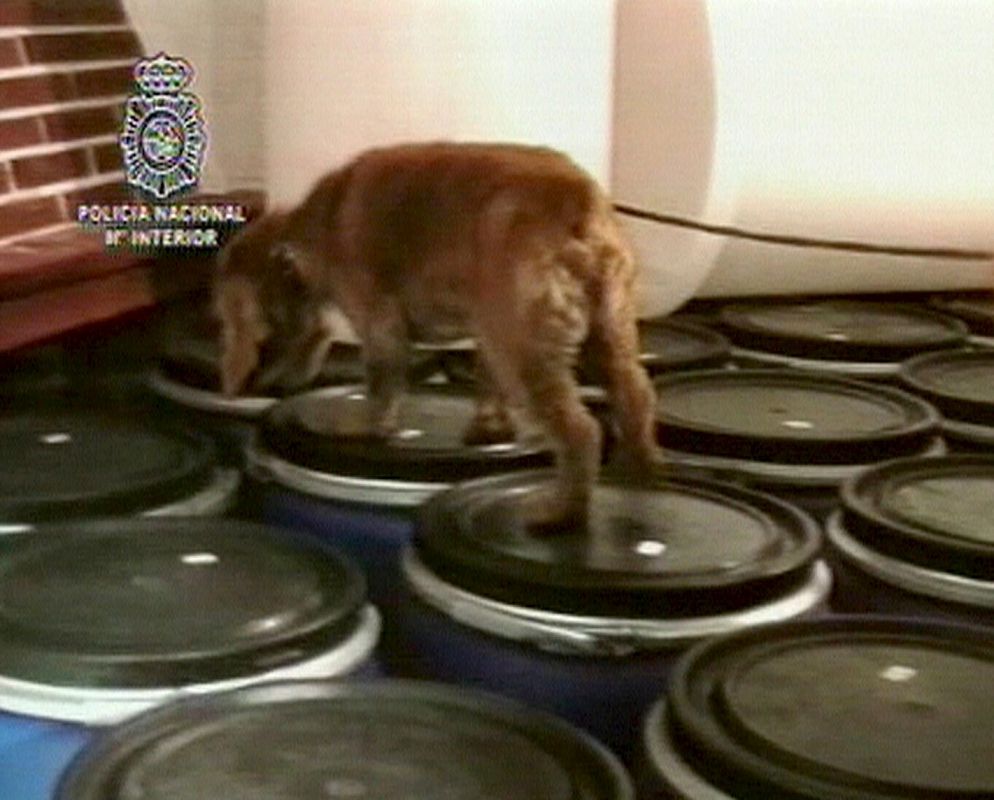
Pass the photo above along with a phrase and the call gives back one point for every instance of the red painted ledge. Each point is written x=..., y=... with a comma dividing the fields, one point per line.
x=57, y=284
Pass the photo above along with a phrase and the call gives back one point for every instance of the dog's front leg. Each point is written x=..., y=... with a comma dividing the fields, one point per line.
x=385, y=348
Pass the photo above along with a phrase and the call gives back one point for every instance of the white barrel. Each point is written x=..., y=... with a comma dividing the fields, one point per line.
x=823, y=146
x=341, y=77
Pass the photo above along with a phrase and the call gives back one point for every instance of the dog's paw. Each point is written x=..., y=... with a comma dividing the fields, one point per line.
x=486, y=430
x=356, y=424
x=640, y=464
x=546, y=513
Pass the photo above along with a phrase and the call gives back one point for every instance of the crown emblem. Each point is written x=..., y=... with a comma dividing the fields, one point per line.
x=162, y=74
x=162, y=137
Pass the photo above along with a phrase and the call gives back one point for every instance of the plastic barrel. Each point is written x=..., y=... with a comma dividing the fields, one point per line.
x=975, y=309
x=860, y=709
x=960, y=384
x=861, y=339
x=798, y=435
x=358, y=492
x=667, y=345
x=188, y=384
x=324, y=739
x=586, y=624
x=103, y=620
x=915, y=537
x=62, y=464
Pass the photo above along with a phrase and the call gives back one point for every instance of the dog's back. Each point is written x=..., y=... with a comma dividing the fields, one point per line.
x=444, y=224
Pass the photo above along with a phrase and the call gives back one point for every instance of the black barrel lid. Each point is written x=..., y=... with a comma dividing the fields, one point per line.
x=162, y=602
x=935, y=512
x=189, y=349
x=190, y=354
x=790, y=417
x=316, y=430
x=34, y=373
x=459, y=365
x=665, y=549
x=308, y=740
x=669, y=344
x=71, y=464
x=666, y=345
x=977, y=310
x=836, y=329
x=960, y=383
x=846, y=708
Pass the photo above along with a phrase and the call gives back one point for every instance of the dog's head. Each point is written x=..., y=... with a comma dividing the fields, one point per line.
x=277, y=319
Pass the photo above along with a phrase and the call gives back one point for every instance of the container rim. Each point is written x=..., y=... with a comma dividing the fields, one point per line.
x=602, y=636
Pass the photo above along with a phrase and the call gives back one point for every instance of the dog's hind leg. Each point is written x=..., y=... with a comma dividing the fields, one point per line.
x=532, y=349
x=614, y=341
x=491, y=423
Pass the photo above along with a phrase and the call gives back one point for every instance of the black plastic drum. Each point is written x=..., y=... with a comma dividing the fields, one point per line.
x=851, y=338
x=841, y=709
x=39, y=372
x=669, y=345
x=388, y=741
x=960, y=384
x=457, y=360
x=66, y=464
x=188, y=380
x=916, y=537
x=102, y=620
x=976, y=310
x=587, y=623
x=796, y=434
x=317, y=472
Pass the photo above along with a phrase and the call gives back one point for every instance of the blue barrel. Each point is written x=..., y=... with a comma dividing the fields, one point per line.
x=360, y=493
x=861, y=339
x=64, y=463
x=960, y=384
x=586, y=624
x=105, y=619
x=915, y=537
x=328, y=739
x=794, y=434
x=862, y=709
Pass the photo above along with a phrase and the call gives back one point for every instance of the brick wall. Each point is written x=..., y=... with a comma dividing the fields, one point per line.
x=65, y=69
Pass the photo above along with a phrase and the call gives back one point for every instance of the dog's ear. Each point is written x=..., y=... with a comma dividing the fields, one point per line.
x=242, y=332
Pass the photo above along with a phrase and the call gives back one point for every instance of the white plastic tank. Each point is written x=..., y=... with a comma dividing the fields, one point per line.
x=790, y=146
x=344, y=76
x=817, y=146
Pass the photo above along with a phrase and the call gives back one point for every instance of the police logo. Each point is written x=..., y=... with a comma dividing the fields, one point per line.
x=163, y=137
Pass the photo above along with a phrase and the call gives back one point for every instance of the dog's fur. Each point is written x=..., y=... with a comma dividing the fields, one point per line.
x=515, y=246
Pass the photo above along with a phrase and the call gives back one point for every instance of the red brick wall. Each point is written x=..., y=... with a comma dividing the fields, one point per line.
x=64, y=69
x=61, y=12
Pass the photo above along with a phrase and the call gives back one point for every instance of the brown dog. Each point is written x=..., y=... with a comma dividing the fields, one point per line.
x=515, y=246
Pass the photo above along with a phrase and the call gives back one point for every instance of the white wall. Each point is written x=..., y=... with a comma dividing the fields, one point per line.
x=343, y=75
